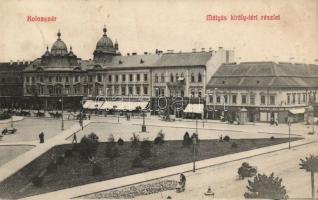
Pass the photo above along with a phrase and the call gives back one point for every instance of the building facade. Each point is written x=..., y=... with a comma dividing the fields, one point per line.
x=268, y=91
x=110, y=75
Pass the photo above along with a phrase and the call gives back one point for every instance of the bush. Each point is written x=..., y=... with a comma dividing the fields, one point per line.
x=88, y=145
x=134, y=141
x=186, y=139
x=160, y=139
x=246, y=170
x=111, y=138
x=51, y=168
x=68, y=153
x=266, y=187
x=137, y=162
x=234, y=145
x=226, y=138
x=59, y=160
x=145, y=149
x=272, y=138
x=112, y=151
x=37, y=181
x=120, y=142
x=97, y=169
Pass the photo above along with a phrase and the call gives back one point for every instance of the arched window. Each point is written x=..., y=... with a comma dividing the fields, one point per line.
x=156, y=78
x=162, y=78
x=171, y=77
x=192, y=77
x=199, y=78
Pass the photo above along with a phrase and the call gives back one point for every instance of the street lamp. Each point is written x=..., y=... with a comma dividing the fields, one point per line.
x=289, y=125
x=62, y=102
x=311, y=111
x=115, y=107
x=214, y=101
x=194, y=141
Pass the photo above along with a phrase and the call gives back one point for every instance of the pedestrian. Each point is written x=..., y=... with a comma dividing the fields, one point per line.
x=41, y=137
x=74, y=138
x=182, y=183
x=276, y=122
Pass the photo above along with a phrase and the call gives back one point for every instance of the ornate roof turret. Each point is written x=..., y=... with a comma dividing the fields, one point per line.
x=59, y=47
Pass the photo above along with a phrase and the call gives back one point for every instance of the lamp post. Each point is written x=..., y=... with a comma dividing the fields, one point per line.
x=115, y=107
x=289, y=125
x=214, y=100
x=194, y=141
x=143, y=127
x=311, y=110
x=62, y=106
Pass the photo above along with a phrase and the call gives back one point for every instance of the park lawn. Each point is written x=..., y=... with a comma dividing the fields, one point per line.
x=74, y=171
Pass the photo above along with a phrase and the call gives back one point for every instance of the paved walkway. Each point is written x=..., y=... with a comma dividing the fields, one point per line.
x=296, y=129
x=14, y=119
x=18, y=163
x=156, y=174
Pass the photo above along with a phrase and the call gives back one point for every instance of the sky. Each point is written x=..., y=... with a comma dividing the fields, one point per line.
x=178, y=25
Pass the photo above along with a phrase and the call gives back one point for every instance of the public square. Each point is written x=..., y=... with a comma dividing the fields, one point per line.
x=220, y=173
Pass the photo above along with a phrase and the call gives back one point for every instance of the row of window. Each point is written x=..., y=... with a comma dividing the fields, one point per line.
x=128, y=90
x=130, y=77
x=244, y=99
x=176, y=78
x=296, y=97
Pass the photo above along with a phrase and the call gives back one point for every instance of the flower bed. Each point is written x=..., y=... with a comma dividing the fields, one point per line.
x=134, y=191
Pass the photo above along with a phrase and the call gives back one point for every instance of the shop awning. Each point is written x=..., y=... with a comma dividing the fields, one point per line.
x=123, y=105
x=87, y=104
x=90, y=104
x=297, y=111
x=194, y=108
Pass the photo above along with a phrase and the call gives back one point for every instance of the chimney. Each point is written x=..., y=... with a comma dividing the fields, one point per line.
x=210, y=49
x=194, y=50
x=203, y=49
x=11, y=62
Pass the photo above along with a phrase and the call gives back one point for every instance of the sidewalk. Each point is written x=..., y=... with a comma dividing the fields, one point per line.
x=14, y=119
x=18, y=163
x=296, y=129
x=156, y=174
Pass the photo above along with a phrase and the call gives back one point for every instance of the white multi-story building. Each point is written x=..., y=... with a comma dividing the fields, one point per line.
x=268, y=90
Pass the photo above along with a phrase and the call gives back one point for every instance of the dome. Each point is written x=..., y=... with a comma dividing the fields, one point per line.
x=59, y=47
x=105, y=43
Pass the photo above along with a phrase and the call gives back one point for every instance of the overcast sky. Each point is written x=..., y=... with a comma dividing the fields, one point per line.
x=178, y=25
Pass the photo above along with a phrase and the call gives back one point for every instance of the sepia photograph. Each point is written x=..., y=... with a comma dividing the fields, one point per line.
x=160, y=99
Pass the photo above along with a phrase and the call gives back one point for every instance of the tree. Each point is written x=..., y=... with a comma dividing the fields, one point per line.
x=266, y=187
x=145, y=149
x=88, y=145
x=310, y=164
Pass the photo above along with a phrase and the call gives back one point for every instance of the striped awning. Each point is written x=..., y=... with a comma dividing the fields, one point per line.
x=124, y=105
x=297, y=111
x=194, y=108
x=90, y=104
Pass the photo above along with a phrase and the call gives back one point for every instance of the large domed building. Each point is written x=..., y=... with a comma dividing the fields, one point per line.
x=105, y=49
x=59, y=55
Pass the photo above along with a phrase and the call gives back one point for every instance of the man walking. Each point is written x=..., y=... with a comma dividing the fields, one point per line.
x=41, y=137
x=74, y=138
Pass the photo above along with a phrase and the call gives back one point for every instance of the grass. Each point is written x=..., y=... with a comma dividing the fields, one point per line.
x=75, y=171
